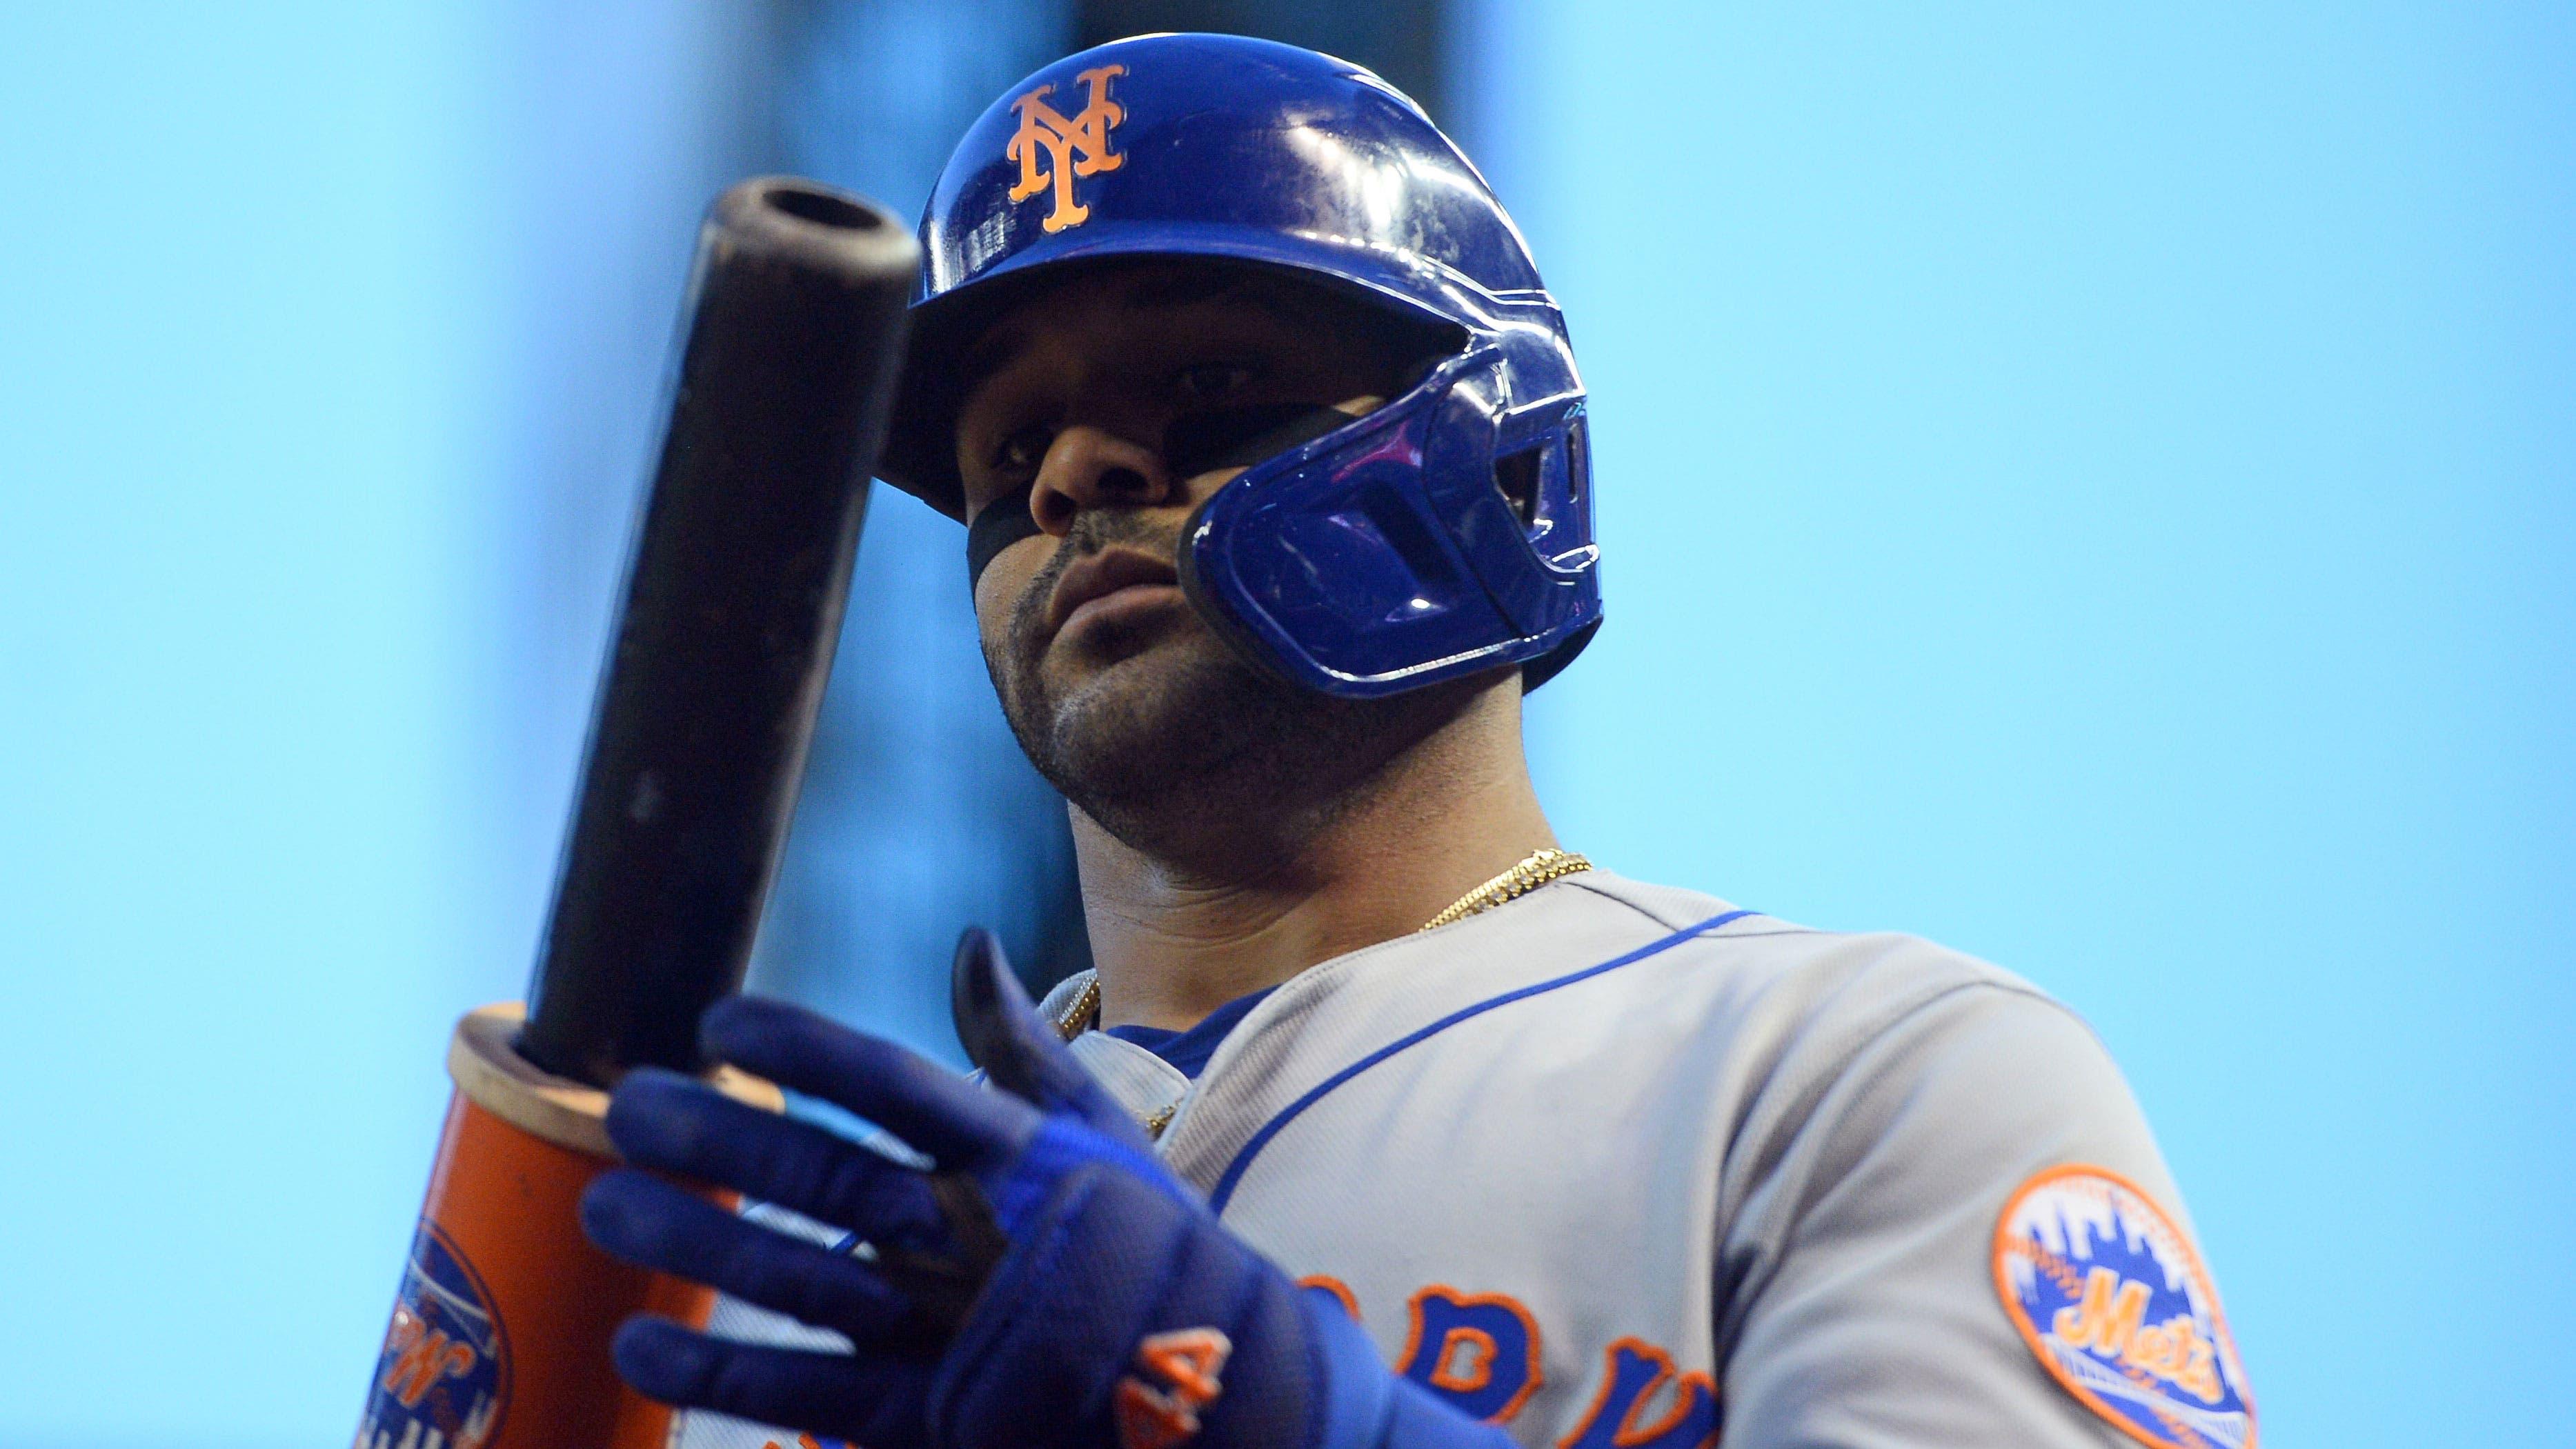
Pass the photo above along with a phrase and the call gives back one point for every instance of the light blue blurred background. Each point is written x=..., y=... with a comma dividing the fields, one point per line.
x=2093, y=485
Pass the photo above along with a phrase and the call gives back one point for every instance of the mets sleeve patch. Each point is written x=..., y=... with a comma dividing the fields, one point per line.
x=2110, y=1296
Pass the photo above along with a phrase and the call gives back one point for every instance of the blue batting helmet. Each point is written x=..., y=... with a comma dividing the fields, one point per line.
x=1448, y=532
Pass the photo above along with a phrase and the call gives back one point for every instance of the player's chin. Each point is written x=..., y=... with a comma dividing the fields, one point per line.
x=1129, y=650
x=1133, y=692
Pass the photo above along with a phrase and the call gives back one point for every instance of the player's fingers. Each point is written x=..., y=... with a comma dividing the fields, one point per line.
x=665, y=1120
x=937, y=1111
x=658, y=1224
x=863, y=1399
x=1018, y=1048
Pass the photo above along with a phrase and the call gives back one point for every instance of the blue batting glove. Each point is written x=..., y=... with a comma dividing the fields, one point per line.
x=1042, y=1284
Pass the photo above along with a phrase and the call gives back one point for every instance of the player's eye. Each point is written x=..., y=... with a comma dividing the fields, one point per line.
x=1020, y=453
x=1210, y=382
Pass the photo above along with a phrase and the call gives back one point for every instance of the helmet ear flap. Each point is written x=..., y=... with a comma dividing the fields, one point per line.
x=1420, y=369
x=1435, y=538
x=1542, y=467
x=1516, y=474
x=1549, y=665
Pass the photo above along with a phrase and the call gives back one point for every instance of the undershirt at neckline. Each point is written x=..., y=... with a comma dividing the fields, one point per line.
x=1188, y=1051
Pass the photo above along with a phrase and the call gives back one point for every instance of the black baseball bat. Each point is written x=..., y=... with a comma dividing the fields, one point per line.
x=733, y=604
x=792, y=339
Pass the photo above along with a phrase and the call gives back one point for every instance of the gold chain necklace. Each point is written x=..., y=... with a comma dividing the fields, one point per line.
x=1535, y=870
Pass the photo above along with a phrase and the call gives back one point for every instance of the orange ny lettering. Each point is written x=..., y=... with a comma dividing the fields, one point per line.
x=1052, y=149
x=422, y=1358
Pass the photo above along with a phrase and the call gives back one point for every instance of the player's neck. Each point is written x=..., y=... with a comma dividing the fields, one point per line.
x=1175, y=941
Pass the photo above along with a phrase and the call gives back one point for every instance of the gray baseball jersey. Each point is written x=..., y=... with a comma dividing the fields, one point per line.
x=1618, y=1166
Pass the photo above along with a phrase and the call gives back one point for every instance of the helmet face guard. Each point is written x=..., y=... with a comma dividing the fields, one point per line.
x=1447, y=533
x=1443, y=534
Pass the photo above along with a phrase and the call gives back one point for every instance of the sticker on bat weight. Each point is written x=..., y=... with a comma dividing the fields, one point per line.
x=443, y=1379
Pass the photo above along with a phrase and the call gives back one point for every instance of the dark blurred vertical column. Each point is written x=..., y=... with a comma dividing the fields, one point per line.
x=615, y=125
x=920, y=816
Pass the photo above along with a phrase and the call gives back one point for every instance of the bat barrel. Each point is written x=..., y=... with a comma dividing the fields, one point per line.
x=724, y=640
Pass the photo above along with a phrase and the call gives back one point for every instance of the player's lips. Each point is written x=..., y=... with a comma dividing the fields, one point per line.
x=1116, y=580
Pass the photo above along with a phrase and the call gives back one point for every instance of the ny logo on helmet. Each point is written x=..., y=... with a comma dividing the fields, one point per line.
x=1070, y=148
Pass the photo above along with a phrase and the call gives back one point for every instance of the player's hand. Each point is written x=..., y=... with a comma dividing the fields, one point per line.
x=1041, y=1281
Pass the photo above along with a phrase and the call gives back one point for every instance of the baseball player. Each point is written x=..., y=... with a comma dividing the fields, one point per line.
x=1385, y=1122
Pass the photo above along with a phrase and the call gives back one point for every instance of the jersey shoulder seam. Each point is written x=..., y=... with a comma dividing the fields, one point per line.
x=1670, y=924
x=1883, y=1023
x=1593, y=888
x=1841, y=1058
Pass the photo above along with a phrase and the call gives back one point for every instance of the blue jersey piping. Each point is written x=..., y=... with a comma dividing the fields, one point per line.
x=1242, y=1163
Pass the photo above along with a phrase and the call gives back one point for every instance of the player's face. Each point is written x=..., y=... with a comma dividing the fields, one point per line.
x=1116, y=687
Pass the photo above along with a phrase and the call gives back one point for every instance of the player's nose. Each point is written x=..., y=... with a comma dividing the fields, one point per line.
x=1091, y=467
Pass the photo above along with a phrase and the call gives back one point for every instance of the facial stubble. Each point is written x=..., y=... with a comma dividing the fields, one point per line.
x=1178, y=746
